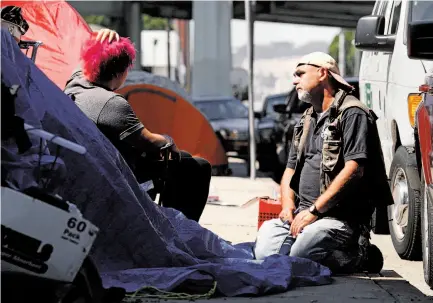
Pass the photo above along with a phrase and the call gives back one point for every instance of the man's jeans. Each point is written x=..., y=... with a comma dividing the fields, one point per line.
x=327, y=241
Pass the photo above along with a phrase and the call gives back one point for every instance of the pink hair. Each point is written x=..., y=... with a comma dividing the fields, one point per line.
x=105, y=61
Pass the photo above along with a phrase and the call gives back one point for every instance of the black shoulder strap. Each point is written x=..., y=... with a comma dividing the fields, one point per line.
x=344, y=101
x=305, y=129
x=351, y=101
x=334, y=108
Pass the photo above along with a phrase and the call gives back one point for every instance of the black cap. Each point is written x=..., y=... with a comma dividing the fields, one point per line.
x=13, y=15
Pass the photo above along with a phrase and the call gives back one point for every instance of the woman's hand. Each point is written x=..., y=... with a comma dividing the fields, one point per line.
x=172, y=148
x=106, y=33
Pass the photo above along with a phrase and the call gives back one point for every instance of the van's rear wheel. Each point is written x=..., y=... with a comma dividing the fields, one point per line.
x=404, y=215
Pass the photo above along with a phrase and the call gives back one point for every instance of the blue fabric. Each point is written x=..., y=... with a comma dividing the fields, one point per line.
x=140, y=244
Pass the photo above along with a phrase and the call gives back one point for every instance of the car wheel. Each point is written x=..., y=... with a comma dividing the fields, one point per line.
x=404, y=214
x=427, y=234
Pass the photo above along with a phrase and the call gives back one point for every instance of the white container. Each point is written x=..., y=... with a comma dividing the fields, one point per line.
x=41, y=239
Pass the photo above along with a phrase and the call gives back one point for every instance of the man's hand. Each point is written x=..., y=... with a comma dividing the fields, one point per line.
x=287, y=214
x=301, y=220
x=106, y=33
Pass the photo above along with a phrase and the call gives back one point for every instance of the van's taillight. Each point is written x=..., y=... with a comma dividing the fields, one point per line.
x=425, y=88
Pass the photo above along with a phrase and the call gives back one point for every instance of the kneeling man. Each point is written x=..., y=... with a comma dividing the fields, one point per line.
x=334, y=179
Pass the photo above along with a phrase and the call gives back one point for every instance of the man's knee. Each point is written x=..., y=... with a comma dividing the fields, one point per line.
x=309, y=244
x=185, y=154
x=319, y=239
x=205, y=166
x=203, y=163
x=194, y=166
x=270, y=238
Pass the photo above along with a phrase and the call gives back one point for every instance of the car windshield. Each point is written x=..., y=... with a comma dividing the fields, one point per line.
x=271, y=101
x=222, y=109
x=421, y=10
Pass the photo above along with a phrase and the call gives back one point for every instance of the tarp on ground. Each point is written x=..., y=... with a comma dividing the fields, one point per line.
x=139, y=242
x=63, y=31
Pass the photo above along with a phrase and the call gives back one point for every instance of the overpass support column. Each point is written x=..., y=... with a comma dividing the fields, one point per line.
x=212, y=59
x=133, y=28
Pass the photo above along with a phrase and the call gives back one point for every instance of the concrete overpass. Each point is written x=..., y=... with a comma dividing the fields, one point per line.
x=343, y=14
x=212, y=42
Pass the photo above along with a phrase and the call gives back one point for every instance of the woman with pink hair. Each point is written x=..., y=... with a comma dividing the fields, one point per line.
x=106, y=59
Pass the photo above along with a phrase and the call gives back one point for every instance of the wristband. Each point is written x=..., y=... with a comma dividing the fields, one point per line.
x=169, y=139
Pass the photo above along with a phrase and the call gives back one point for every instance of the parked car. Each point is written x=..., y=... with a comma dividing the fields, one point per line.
x=287, y=114
x=229, y=118
x=267, y=109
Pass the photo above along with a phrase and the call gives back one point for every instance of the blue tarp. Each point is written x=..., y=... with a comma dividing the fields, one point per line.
x=139, y=244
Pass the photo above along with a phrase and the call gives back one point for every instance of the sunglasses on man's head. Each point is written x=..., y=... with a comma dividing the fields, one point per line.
x=299, y=73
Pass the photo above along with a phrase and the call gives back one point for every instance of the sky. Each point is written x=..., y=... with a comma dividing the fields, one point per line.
x=271, y=32
x=268, y=32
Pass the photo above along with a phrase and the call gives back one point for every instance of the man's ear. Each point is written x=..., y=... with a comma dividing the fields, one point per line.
x=323, y=74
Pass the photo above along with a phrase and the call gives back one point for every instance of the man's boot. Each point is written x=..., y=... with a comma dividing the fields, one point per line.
x=371, y=259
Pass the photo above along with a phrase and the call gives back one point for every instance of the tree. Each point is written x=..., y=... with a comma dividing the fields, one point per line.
x=149, y=22
x=154, y=23
x=333, y=50
x=96, y=19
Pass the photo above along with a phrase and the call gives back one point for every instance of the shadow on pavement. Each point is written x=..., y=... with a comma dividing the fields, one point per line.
x=387, y=286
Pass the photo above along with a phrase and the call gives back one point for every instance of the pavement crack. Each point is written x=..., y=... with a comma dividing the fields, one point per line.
x=387, y=291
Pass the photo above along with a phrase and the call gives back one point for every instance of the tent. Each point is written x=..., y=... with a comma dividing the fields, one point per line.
x=62, y=31
x=179, y=118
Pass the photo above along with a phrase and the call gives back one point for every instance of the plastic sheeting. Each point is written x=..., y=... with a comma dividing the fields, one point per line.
x=139, y=243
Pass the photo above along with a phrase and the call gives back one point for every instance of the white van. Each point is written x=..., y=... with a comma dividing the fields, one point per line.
x=389, y=83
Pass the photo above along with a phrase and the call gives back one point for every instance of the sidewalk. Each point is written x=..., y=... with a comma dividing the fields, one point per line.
x=237, y=224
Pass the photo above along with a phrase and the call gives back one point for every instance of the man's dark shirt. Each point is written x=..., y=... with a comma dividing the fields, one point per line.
x=111, y=113
x=354, y=125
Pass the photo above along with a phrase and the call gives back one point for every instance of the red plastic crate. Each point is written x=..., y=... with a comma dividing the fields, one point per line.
x=268, y=209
